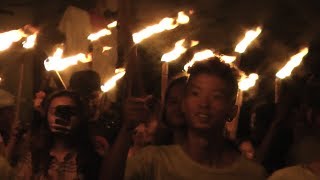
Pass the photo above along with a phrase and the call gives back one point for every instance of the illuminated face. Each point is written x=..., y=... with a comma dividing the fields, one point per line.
x=207, y=104
x=52, y=118
x=174, y=114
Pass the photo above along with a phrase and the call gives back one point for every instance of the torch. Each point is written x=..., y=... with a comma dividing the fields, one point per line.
x=287, y=69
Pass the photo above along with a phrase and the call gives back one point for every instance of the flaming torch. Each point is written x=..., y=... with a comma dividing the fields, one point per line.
x=248, y=38
x=112, y=25
x=248, y=82
x=199, y=56
x=174, y=54
x=166, y=58
x=30, y=41
x=287, y=69
x=245, y=84
x=228, y=59
x=165, y=24
x=99, y=34
x=8, y=38
x=58, y=63
x=106, y=48
x=111, y=83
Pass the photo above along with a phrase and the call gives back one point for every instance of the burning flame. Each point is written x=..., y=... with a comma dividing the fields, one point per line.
x=8, y=38
x=30, y=41
x=111, y=83
x=99, y=34
x=199, y=56
x=293, y=62
x=182, y=18
x=57, y=63
x=175, y=53
x=194, y=43
x=248, y=82
x=106, y=48
x=249, y=37
x=228, y=59
x=113, y=24
x=164, y=25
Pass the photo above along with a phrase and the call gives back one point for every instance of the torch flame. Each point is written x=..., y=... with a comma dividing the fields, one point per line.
x=194, y=43
x=248, y=82
x=199, y=56
x=106, y=48
x=8, y=38
x=164, y=25
x=57, y=63
x=30, y=41
x=228, y=59
x=112, y=25
x=175, y=53
x=111, y=83
x=183, y=18
x=99, y=34
x=249, y=37
x=293, y=62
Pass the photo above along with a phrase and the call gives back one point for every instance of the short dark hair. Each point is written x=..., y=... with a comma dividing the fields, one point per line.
x=85, y=82
x=214, y=66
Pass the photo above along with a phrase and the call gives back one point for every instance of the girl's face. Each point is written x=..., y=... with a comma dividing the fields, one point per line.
x=174, y=114
x=54, y=121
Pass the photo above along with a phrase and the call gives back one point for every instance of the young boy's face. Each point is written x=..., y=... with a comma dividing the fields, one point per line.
x=207, y=104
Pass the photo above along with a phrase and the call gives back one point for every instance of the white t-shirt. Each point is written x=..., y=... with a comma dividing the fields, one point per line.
x=171, y=163
x=294, y=173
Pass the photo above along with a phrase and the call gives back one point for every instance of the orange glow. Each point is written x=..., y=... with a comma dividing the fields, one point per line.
x=199, y=56
x=113, y=24
x=228, y=59
x=30, y=41
x=8, y=38
x=175, y=53
x=112, y=82
x=164, y=25
x=106, y=48
x=249, y=37
x=99, y=34
x=248, y=82
x=293, y=62
x=57, y=63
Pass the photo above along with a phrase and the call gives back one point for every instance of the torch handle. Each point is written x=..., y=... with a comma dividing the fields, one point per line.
x=277, y=85
x=164, y=80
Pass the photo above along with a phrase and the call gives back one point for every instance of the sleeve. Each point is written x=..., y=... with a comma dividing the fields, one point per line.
x=141, y=166
x=276, y=176
x=24, y=168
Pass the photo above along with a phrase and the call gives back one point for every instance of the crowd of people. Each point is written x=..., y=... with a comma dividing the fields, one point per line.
x=79, y=134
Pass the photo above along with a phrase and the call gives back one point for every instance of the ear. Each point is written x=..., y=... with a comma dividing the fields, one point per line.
x=233, y=113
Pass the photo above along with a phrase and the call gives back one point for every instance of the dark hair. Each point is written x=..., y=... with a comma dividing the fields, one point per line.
x=176, y=80
x=85, y=82
x=164, y=134
x=214, y=66
x=80, y=139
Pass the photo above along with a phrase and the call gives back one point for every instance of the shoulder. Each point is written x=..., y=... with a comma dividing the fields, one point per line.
x=286, y=173
x=251, y=167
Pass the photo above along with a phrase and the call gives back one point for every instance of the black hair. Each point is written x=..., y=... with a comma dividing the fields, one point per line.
x=176, y=80
x=218, y=68
x=80, y=139
x=85, y=82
